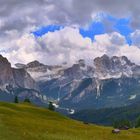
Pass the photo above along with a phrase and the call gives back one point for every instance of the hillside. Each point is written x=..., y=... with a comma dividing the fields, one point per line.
x=131, y=112
x=23, y=121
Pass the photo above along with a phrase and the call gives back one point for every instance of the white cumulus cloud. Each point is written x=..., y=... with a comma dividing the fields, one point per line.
x=67, y=45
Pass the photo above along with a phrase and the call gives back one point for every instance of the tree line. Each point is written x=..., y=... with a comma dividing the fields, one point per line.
x=125, y=123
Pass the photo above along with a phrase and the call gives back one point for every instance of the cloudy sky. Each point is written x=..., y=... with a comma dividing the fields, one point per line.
x=57, y=31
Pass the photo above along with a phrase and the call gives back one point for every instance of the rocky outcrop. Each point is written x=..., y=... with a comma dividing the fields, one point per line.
x=14, y=77
x=6, y=72
x=23, y=79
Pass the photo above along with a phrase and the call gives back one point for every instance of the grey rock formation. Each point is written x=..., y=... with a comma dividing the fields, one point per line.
x=16, y=82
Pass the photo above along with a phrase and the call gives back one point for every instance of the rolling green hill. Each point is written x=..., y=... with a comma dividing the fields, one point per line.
x=27, y=122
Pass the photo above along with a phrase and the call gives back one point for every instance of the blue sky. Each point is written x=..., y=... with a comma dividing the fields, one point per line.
x=121, y=25
x=45, y=29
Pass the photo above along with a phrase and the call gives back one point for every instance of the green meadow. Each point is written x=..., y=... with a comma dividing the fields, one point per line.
x=28, y=122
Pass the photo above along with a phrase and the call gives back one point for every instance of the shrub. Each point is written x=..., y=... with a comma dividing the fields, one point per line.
x=27, y=100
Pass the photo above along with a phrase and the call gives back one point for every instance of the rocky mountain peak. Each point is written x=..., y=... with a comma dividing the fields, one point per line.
x=102, y=63
x=4, y=62
x=82, y=62
x=127, y=61
x=109, y=67
x=34, y=64
x=107, y=63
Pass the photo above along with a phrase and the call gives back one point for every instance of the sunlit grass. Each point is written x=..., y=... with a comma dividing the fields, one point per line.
x=27, y=122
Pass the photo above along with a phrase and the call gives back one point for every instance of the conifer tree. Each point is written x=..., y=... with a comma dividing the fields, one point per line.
x=51, y=106
x=16, y=99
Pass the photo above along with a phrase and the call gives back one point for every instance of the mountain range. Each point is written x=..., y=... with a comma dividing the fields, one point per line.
x=106, y=82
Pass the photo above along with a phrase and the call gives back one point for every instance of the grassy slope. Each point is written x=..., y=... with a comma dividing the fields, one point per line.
x=26, y=122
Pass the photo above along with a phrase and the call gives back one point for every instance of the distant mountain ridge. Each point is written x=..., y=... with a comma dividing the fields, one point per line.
x=102, y=68
x=108, y=82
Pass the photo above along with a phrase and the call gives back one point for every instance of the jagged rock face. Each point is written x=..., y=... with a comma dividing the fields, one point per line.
x=107, y=63
x=34, y=64
x=82, y=63
x=23, y=79
x=73, y=72
x=14, y=77
x=79, y=71
x=114, y=67
x=102, y=63
x=136, y=71
x=6, y=73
